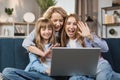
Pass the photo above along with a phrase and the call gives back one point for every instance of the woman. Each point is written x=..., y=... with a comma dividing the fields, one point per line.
x=57, y=16
x=77, y=34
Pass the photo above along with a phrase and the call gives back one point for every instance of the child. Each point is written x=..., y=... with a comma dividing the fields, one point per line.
x=44, y=40
x=77, y=34
x=39, y=66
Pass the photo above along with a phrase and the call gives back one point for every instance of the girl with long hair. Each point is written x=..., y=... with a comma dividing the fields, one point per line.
x=75, y=34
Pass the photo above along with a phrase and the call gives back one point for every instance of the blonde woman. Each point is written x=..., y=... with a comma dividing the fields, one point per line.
x=57, y=16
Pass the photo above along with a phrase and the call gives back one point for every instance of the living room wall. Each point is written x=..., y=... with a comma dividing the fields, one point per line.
x=20, y=8
x=23, y=6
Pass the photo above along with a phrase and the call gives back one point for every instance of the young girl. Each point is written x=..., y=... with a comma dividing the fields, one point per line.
x=44, y=40
x=77, y=34
x=39, y=66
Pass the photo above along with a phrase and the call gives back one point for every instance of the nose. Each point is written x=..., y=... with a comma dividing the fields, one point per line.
x=46, y=30
x=58, y=23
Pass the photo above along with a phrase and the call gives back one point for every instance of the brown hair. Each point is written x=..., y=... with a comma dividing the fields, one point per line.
x=54, y=9
x=43, y=23
x=64, y=36
x=61, y=11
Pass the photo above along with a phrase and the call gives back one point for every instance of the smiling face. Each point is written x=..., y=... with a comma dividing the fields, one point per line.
x=57, y=20
x=46, y=33
x=71, y=27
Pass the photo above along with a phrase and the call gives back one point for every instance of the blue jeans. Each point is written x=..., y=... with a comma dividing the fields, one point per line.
x=17, y=74
x=106, y=72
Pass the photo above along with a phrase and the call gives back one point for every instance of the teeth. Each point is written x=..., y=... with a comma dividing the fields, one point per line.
x=71, y=30
x=47, y=35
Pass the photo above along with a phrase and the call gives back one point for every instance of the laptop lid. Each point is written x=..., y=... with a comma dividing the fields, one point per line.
x=74, y=61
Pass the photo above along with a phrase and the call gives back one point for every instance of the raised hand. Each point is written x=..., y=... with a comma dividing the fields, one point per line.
x=84, y=30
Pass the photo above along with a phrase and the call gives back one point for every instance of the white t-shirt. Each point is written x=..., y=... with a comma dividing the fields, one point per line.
x=72, y=43
x=47, y=62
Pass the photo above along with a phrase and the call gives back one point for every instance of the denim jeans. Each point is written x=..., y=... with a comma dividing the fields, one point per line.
x=106, y=72
x=17, y=74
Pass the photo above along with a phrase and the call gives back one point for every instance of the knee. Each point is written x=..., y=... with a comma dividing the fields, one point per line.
x=103, y=67
x=104, y=75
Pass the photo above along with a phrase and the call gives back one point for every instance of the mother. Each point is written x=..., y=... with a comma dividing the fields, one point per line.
x=57, y=16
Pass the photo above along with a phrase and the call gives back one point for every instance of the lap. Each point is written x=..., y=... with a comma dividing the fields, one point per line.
x=18, y=74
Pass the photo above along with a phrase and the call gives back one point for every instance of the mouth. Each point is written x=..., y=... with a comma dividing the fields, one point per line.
x=57, y=28
x=71, y=31
x=47, y=35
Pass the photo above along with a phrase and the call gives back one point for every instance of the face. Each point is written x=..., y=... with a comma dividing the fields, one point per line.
x=71, y=27
x=57, y=20
x=46, y=33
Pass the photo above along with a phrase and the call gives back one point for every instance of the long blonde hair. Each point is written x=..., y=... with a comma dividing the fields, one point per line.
x=54, y=9
x=43, y=23
x=64, y=36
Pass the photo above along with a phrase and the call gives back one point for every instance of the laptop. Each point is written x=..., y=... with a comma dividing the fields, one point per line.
x=74, y=61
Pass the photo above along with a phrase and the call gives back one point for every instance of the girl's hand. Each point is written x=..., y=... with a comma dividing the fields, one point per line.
x=48, y=52
x=84, y=30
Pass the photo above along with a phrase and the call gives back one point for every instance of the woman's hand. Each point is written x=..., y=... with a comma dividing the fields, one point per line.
x=47, y=71
x=84, y=30
x=57, y=45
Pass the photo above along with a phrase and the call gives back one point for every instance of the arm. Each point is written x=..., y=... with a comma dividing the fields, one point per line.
x=91, y=40
x=29, y=44
x=36, y=64
x=97, y=42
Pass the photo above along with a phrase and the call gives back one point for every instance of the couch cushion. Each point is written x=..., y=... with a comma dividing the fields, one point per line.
x=113, y=55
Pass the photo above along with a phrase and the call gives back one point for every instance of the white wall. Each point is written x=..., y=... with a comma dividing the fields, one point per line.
x=23, y=6
x=20, y=8
x=68, y=5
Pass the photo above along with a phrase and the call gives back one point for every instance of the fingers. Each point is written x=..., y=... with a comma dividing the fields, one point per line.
x=48, y=71
x=51, y=46
x=80, y=26
x=84, y=29
x=57, y=45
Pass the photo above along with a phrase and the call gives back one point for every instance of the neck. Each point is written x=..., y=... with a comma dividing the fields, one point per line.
x=45, y=41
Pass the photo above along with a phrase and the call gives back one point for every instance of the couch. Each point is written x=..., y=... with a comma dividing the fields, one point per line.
x=113, y=55
x=12, y=54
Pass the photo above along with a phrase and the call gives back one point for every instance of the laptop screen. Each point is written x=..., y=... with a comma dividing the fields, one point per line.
x=74, y=61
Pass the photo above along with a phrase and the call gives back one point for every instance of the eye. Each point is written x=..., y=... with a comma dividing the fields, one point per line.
x=75, y=24
x=49, y=28
x=68, y=23
x=43, y=29
x=55, y=20
x=61, y=20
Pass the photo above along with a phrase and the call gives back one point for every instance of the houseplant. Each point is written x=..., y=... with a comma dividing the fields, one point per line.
x=45, y=4
x=9, y=12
